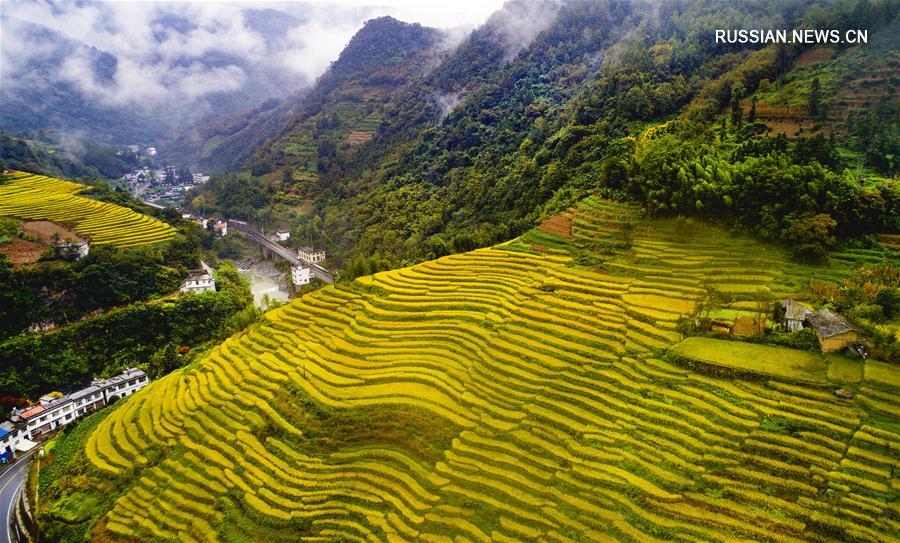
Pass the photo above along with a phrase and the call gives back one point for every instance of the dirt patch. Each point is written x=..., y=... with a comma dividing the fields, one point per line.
x=20, y=251
x=559, y=225
x=815, y=55
x=891, y=241
x=358, y=137
x=44, y=231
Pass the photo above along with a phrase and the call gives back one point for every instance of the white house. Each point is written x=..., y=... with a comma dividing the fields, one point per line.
x=125, y=384
x=76, y=249
x=281, y=235
x=198, y=281
x=151, y=151
x=300, y=275
x=222, y=228
x=53, y=413
x=311, y=255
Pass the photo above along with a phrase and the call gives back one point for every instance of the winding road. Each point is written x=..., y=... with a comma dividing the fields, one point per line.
x=11, y=481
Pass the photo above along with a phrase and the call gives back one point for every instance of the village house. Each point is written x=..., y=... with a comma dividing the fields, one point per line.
x=10, y=441
x=198, y=281
x=311, y=255
x=281, y=235
x=125, y=384
x=300, y=275
x=794, y=314
x=74, y=249
x=834, y=332
x=53, y=412
x=222, y=228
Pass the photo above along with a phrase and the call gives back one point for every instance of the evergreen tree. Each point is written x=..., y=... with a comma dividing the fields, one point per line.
x=737, y=92
x=814, y=105
x=752, y=116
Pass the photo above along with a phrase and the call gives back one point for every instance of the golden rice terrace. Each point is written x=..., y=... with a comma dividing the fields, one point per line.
x=29, y=196
x=515, y=393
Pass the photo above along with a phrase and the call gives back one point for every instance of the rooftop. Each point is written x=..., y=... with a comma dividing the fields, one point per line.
x=828, y=323
x=130, y=373
x=32, y=411
x=77, y=395
x=197, y=274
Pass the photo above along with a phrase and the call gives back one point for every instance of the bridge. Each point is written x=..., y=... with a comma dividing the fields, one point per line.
x=276, y=249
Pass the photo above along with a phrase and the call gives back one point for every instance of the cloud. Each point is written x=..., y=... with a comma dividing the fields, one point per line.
x=177, y=57
x=518, y=22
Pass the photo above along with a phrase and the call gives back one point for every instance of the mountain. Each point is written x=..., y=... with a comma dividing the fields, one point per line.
x=486, y=143
x=91, y=160
x=62, y=88
x=226, y=144
x=382, y=57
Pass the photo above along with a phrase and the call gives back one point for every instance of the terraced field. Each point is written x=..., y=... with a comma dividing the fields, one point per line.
x=514, y=393
x=29, y=196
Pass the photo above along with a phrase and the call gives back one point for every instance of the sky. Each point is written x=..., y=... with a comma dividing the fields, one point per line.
x=157, y=61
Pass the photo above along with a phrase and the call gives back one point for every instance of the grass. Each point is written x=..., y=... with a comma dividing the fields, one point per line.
x=502, y=395
x=844, y=370
x=881, y=374
x=765, y=360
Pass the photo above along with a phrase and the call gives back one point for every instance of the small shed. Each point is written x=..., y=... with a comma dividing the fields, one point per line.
x=794, y=314
x=833, y=330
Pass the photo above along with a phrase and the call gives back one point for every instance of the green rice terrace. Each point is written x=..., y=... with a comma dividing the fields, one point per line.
x=515, y=393
x=29, y=196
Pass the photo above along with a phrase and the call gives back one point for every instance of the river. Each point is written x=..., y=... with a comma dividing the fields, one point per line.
x=261, y=285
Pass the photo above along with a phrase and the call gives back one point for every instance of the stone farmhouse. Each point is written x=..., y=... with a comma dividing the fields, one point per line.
x=795, y=314
x=833, y=330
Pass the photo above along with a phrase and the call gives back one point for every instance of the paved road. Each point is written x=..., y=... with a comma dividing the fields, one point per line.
x=11, y=480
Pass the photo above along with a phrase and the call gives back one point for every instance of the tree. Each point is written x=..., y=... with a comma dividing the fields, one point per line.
x=811, y=236
x=737, y=93
x=889, y=300
x=164, y=361
x=752, y=116
x=814, y=104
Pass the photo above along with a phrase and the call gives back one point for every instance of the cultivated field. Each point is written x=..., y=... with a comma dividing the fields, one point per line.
x=514, y=393
x=36, y=197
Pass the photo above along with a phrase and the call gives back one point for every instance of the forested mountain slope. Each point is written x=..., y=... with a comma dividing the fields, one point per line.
x=627, y=97
x=343, y=111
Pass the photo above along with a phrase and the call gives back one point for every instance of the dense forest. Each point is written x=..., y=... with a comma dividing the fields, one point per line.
x=635, y=101
x=161, y=335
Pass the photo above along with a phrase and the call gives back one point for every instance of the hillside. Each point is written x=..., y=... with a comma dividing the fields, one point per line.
x=517, y=392
x=29, y=196
x=617, y=96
